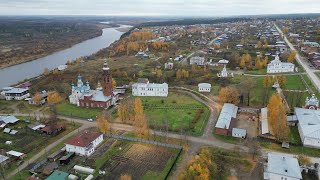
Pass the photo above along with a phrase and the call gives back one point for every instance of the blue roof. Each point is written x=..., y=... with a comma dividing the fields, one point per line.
x=58, y=175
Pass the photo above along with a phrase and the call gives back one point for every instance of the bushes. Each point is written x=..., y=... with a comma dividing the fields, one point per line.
x=196, y=118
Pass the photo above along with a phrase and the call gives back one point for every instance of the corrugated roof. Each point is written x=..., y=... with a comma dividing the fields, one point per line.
x=283, y=165
x=9, y=119
x=264, y=121
x=84, y=139
x=309, y=121
x=3, y=158
x=228, y=112
x=206, y=85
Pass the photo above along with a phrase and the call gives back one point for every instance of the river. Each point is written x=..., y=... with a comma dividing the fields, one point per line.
x=14, y=74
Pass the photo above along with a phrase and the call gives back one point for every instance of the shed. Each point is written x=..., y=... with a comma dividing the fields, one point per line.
x=86, y=170
x=204, y=87
x=58, y=175
x=264, y=125
x=15, y=154
x=66, y=159
x=238, y=132
x=56, y=155
x=3, y=159
x=48, y=169
x=72, y=177
x=89, y=177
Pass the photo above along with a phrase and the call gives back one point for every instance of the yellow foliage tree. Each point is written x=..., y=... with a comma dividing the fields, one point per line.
x=54, y=97
x=103, y=124
x=265, y=46
x=292, y=56
x=259, y=45
x=242, y=62
x=258, y=63
x=46, y=72
x=140, y=121
x=282, y=80
x=125, y=177
x=266, y=82
x=37, y=98
x=277, y=118
x=114, y=83
x=265, y=61
x=229, y=94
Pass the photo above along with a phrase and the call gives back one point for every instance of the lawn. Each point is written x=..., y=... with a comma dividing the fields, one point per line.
x=178, y=111
x=256, y=71
x=294, y=137
x=73, y=110
x=5, y=106
x=292, y=150
x=294, y=82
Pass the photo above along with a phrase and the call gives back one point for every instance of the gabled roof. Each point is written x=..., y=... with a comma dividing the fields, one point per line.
x=3, y=158
x=228, y=112
x=84, y=139
x=309, y=121
x=9, y=119
x=283, y=165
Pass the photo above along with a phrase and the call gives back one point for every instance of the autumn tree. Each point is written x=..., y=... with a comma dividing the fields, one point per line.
x=265, y=46
x=277, y=118
x=103, y=123
x=54, y=97
x=258, y=63
x=304, y=160
x=282, y=80
x=201, y=166
x=125, y=177
x=114, y=83
x=265, y=61
x=46, y=72
x=266, y=81
x=140, y=121
x=259, y=45
x=242, y=62
x=292, y=56
x=37, y=98
x=132, y=47
x=229, y=94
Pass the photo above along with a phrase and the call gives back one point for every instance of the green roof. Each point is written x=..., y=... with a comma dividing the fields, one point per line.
x=58, y=175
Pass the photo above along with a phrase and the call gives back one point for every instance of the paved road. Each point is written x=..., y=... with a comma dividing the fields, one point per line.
x=310, y=72
x=185, y=60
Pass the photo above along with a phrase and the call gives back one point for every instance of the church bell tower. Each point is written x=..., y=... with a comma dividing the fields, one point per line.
x=107, y=80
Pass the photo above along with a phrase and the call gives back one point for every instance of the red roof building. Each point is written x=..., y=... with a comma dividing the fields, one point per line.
x=85, y=143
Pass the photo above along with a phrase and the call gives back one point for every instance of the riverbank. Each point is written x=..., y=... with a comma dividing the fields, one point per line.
x=22, y=52
x=32, y=69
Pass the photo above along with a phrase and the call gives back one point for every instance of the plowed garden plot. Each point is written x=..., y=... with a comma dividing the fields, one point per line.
x=140, y=161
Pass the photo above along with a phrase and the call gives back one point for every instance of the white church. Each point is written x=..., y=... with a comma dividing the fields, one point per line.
x=276, y=66
x=144, y=88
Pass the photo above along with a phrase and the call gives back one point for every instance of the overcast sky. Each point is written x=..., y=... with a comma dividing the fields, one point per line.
x=157, y=7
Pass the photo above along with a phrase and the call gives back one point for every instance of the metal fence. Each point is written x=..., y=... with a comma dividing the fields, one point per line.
x=143, y=141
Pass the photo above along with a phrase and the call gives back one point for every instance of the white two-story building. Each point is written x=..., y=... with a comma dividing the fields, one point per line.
x=144, y=88
x=276, y=66
x=85, y=143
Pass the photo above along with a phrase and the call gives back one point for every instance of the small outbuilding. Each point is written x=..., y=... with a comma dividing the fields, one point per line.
x=204, y=87
x=238, y=132
x=58, y=175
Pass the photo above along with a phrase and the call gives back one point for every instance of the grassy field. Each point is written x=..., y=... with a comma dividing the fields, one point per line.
x=178, y=110
x=5, y=106
x=73, y=110
x=294, y=82
x=292, y=150
x=256, y=71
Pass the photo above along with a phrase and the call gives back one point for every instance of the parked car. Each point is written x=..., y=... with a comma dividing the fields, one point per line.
x=90, y=119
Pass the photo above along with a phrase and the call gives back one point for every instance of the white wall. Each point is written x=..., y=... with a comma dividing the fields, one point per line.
x=278, y=177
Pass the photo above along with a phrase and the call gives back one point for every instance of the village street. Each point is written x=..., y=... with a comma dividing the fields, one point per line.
x=310, y=72
x=194, y=143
